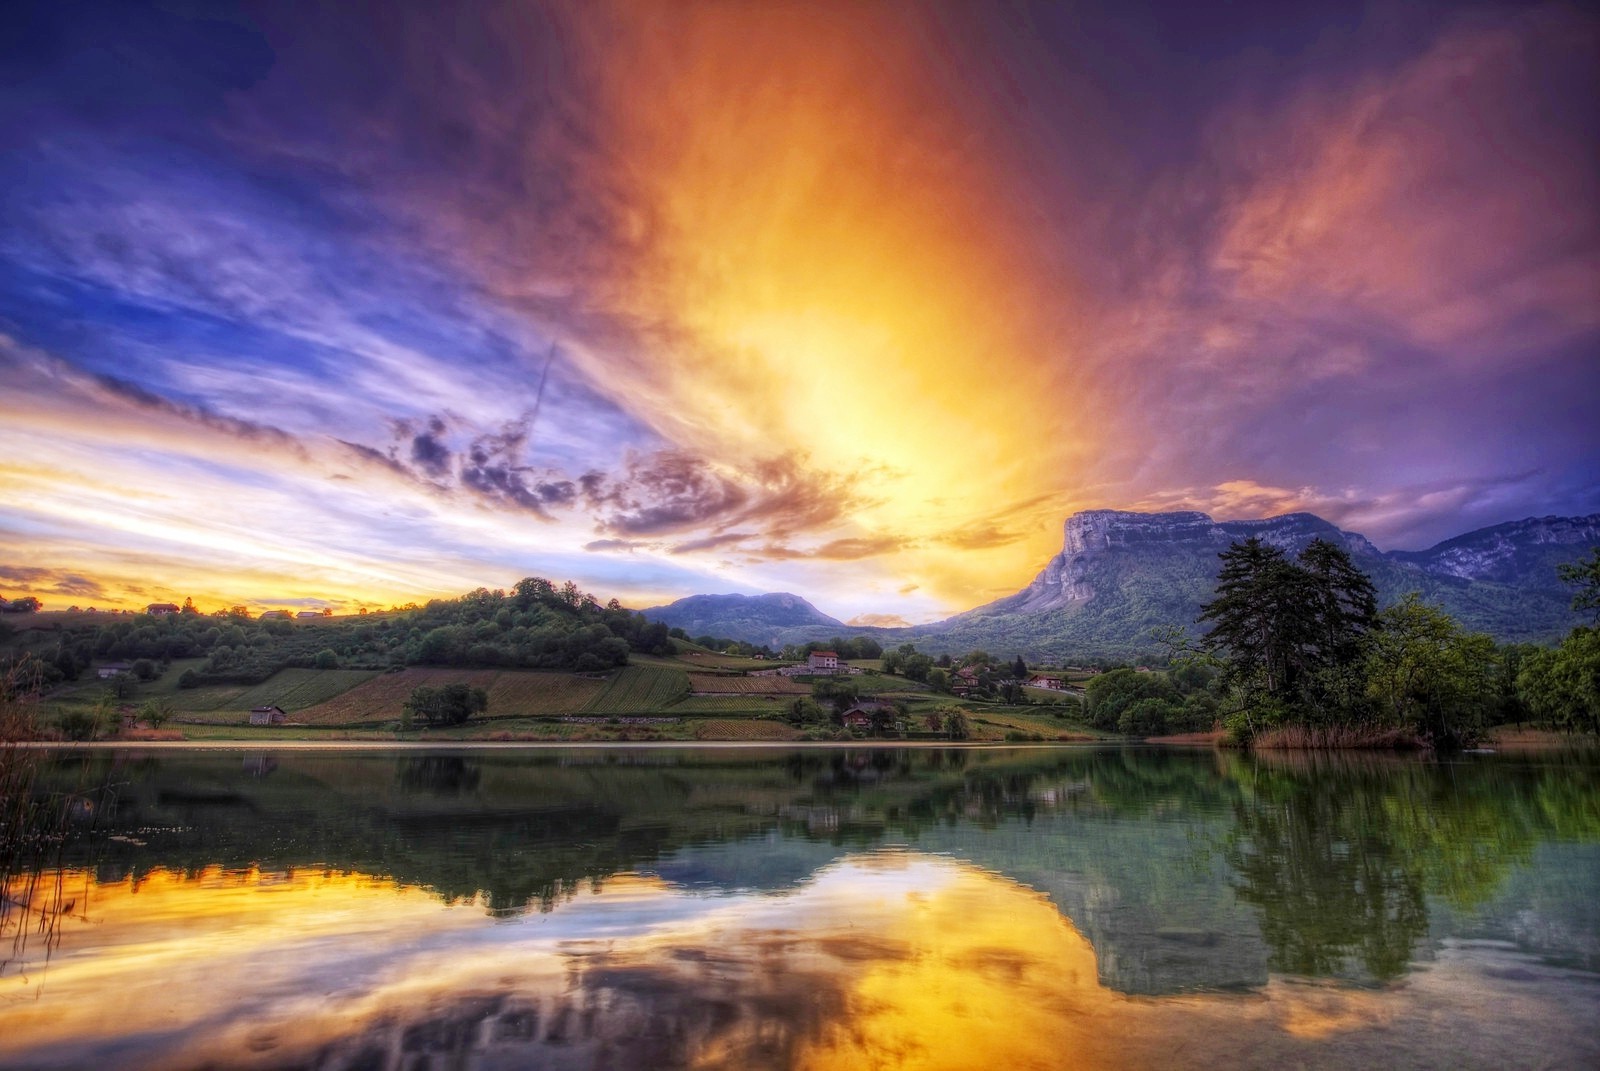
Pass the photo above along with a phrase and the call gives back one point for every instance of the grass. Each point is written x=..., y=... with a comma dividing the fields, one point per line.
x=511, y=692
x=751, y=686
x=699, y=658
x=732, y=704
x=745, y=729
x=640, y=690
x=1305, y=738
x=382, y=697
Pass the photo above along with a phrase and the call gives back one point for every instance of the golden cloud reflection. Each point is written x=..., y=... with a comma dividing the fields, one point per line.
x=891, y=960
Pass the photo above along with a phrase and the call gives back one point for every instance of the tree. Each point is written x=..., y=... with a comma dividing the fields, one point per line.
x=449, y=704
x=156, y=712
x=326, y=659
x=956, y=726
x=1291, y=633
x=1019, y=668
x=1562, y=686
x=917, y=667
x=1584, y=575
x=1251, y=616
x=1428, y=674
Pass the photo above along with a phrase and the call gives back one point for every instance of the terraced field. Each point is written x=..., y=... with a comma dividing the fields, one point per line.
x=639, y=690
x=382, y=697
x=532, y=692
x=711, y=683
x=294, y=690
x=732, y=704
x=510, y=692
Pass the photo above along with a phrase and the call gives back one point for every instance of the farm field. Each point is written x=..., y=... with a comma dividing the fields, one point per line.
x=720, y=685
x=510, y=692
x=639, y=690
x=732, y=704
x=745, y=729
x=381, y=698
x=296, y=689
x=701, y=658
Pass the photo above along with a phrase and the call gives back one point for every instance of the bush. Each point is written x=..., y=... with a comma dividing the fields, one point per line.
x=326, y=659
x=80, y=725
x=450, y=704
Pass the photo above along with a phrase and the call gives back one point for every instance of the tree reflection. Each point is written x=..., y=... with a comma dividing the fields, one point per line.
x=1340, y=853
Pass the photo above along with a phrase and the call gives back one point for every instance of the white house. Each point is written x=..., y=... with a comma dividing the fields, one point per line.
x=823, y=662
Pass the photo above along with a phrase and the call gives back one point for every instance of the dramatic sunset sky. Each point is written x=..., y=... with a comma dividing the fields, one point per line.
x=351, y=304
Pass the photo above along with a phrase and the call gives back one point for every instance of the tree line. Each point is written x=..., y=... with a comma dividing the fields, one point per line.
x=1301, y=647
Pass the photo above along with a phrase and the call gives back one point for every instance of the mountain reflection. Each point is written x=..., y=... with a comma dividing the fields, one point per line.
x=1184, y=870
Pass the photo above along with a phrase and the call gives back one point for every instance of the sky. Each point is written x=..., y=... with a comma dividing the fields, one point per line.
x=354, y=305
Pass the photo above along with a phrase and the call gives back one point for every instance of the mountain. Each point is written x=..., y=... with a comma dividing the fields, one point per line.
x=1121, y=574
x=752, y=618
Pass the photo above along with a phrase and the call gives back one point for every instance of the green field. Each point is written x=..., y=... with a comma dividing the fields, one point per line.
x=732, y=704
x=750, y=686
x=639, y=690
x=511, y=692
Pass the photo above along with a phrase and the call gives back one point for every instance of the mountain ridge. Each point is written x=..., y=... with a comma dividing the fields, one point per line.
x=1122, y=573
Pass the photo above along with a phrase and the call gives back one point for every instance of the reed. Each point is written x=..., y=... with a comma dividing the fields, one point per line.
x=1338, y=737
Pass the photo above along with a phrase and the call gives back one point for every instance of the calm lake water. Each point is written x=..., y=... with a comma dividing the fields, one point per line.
x=824, y=908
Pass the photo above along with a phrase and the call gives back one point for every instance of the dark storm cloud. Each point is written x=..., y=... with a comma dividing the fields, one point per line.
x=149, y=401
x=429, y=451
x=672, y=491
x=55, y=581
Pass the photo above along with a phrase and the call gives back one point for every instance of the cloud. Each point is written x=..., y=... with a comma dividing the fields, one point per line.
x=672, y=491
x=629, y=545
x=711, y=542
x=878, y=621
x=1355, y=199
x=429, y=451
x=54, y=581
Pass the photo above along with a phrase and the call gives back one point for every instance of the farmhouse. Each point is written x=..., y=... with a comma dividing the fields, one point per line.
x=275, y=615
x=113, y=669
x=1044, y=680
x=823, y=662
x=865, y=713
x=156, y=609
x=267, y=716
x=308, y=613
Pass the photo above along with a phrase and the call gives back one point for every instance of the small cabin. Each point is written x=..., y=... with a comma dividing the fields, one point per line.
x=113, y=669
x=267, y=716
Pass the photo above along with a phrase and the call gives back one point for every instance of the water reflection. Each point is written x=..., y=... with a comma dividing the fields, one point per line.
x=874, y=908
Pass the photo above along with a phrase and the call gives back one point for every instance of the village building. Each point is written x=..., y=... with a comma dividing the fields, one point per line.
x=1045, y=680
x=156, y=609
x=267, y=716
x=823, y=662
x=309, y=613
x=275, y=615
x=113, y=669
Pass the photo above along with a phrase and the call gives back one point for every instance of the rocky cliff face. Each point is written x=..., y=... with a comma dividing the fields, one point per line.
x=1506, y=552
x=1094, y=534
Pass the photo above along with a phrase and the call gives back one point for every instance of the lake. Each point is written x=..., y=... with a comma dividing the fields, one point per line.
x=817, y=908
